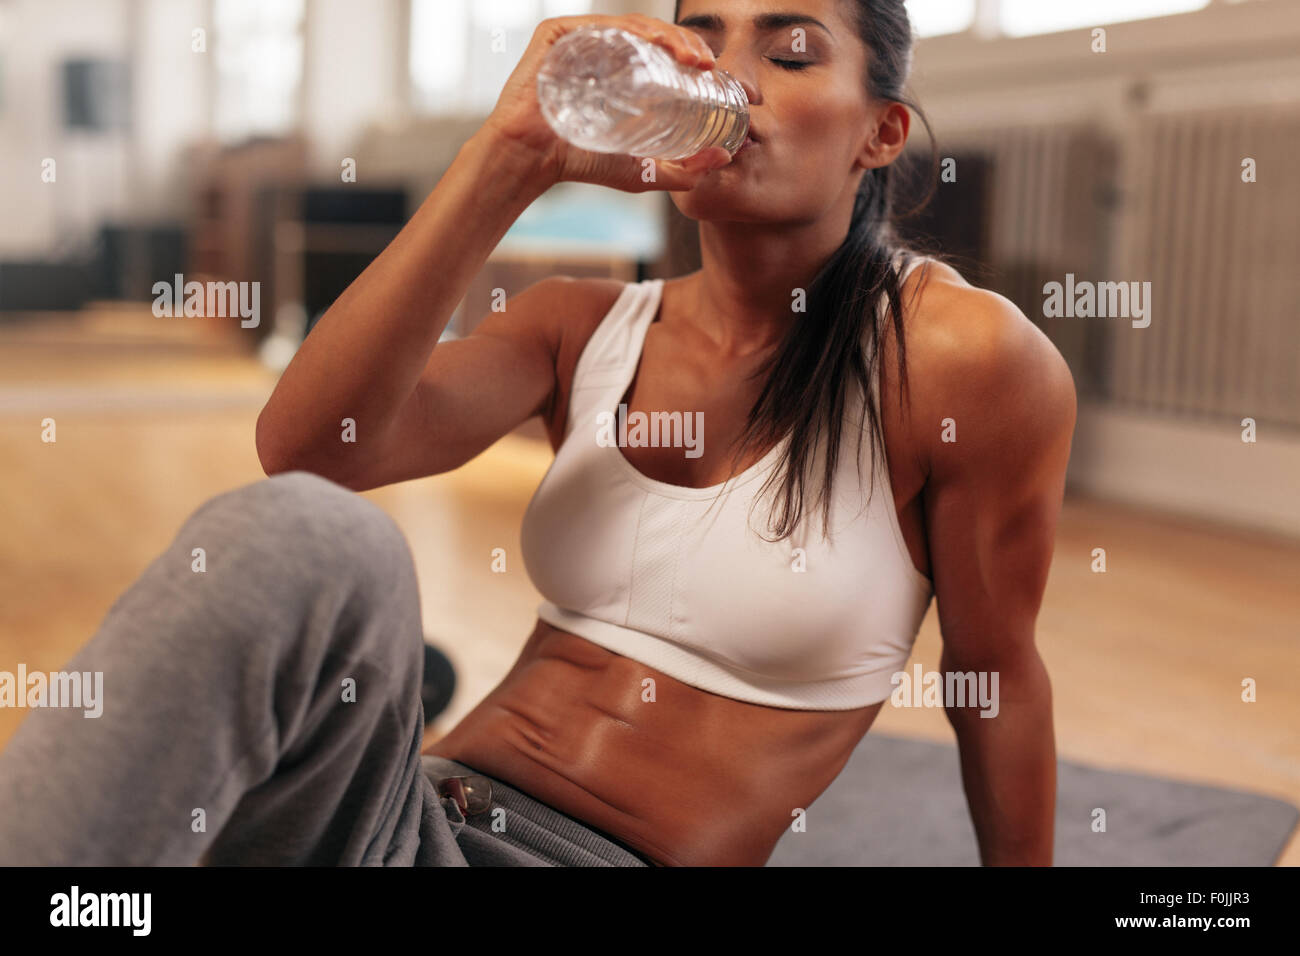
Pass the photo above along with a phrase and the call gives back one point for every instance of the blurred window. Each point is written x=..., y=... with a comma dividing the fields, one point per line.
x=462, y=51
x=934, y=17
x=258, y=46
x=1020, y=18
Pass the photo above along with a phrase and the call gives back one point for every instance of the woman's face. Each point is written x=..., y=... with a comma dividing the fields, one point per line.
x=803, y=66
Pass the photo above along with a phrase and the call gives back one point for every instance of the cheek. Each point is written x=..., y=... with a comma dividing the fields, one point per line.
x=826, y=136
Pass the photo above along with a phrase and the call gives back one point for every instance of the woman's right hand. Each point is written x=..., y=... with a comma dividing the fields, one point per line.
x=517, y=122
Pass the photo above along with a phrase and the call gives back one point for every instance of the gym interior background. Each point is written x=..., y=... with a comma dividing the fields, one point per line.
x=284, y=142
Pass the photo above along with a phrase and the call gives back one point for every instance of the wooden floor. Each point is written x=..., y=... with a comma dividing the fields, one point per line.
x=156, y=416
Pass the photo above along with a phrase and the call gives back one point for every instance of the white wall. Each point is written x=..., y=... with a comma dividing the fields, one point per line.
x=1223, y=55
x=355, y=72
x=1188, y=468
x=41, y=218
x=173, y=100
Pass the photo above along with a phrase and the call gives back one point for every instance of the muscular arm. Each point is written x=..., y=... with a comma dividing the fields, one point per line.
x=368, y=399
x=992, y=499
x=371, y=358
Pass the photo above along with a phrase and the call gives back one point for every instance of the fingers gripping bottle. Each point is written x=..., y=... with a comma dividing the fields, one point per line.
x=611, y=91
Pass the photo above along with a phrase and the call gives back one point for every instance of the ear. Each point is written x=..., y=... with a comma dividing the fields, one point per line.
x=888, y=137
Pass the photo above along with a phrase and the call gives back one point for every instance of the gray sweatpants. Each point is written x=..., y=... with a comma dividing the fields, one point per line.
x=261, y=706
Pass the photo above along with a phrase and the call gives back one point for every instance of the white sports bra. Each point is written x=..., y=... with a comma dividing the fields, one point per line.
x=650, y=571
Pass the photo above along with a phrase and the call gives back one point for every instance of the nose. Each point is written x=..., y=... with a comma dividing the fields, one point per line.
x=739, y=69
x=751, y=91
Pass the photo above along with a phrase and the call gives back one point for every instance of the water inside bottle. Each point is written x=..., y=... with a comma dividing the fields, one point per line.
x=608, y=99
x=715, y=115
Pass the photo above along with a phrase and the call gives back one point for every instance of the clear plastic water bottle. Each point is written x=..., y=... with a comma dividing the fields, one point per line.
x=611, y=91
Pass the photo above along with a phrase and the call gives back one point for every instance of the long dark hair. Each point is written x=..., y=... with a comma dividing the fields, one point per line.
x=808, y=378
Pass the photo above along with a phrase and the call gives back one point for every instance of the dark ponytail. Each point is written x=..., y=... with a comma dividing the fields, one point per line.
x=833, y=348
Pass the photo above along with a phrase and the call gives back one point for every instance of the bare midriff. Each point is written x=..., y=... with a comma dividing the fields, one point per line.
x=683, y=776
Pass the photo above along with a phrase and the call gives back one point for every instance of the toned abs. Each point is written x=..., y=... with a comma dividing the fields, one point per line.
x=684, y=776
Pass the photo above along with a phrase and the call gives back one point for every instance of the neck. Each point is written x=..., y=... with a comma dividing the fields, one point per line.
x=749, y=274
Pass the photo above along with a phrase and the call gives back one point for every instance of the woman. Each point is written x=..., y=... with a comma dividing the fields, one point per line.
x=692, y=684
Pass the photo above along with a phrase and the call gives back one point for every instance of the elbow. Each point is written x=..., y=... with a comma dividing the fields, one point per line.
x=277, y=454
x=271, y=450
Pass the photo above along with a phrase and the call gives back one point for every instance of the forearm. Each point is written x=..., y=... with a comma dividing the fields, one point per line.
x=1008, y=766
x=365, y=355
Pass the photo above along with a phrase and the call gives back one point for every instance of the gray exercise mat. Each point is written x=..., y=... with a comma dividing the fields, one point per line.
x=900, y=803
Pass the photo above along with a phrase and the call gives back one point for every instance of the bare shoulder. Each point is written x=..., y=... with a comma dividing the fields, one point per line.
x=559, y=307
x=976, y=362
x=575, y=306
x=566, y=311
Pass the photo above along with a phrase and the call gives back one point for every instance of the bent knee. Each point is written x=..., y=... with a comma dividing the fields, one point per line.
x=303, y=512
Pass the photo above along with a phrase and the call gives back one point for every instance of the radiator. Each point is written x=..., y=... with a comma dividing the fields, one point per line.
x=1165, y=205
x=1223, y=258
x=1049, y=193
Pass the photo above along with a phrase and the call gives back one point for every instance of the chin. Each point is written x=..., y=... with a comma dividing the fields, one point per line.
x=721, y=200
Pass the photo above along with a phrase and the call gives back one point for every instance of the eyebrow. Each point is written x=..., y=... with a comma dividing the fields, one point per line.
x=762, y=22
